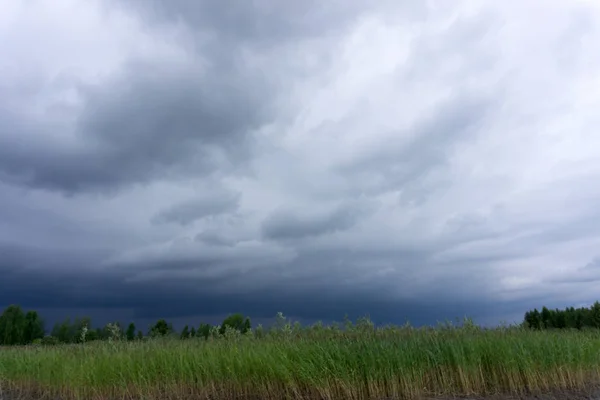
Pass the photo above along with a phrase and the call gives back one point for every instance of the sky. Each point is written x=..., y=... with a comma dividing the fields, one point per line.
x=187, y=159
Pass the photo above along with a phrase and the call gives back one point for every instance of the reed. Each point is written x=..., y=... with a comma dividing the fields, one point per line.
x=391, y=362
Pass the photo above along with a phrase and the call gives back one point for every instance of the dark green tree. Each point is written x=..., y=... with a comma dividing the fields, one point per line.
x=560, y=320
x=92, y=335
x=247, y=325
x=579, y=320
x=546, y=318
x=235, y=321
x=160, y=328
x=81, y=325
x=49, y=340
x=12, y=326
x=101, y=333
x=567, y=318
x=130, y=333
x=203, y=331
x=105, y=332
x=595, y=315
x=533, y=319
x=570, y=318
x=34, y=327
x=185, y=333
x=63, y=331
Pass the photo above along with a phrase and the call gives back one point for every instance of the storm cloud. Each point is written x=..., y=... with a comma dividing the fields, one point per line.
x=210, y=204
x=290, y=224
x=408, y=160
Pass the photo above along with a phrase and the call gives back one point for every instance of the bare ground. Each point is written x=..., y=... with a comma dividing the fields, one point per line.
x=591, y=393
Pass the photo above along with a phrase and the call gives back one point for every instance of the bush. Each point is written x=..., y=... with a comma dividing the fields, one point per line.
x=49, y=341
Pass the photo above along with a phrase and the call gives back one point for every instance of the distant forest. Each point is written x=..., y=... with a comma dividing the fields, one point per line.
x=18, y=327
x=569, y=318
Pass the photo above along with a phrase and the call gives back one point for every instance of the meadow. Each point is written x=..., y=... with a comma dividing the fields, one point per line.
x=356, y=362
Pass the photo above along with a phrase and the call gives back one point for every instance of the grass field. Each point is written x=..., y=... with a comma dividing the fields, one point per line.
x=400, y=362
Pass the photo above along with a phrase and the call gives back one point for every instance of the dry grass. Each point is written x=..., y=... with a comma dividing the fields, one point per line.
x=365, y=364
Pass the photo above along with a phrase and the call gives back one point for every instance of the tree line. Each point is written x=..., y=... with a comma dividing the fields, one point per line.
x=18, y=327
x=568, y=318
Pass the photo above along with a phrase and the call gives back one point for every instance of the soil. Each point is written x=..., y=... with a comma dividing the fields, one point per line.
x=592, y=393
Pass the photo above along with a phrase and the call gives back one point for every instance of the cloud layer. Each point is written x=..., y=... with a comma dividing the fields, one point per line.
x=421, y=160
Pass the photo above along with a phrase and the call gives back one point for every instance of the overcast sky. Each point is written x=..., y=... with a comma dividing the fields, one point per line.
x=186, y=159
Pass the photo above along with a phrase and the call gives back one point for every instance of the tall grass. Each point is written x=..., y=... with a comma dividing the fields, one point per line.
x=364, y=364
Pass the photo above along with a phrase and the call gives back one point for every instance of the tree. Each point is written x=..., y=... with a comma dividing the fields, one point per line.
x=185, y=333
x=34, y=327
x=203, y=331
x=12, y=326
x=92, y=335
x=105, y=332
x=235, y=321
x=161, y=328
x=247, y=326
x=537, y=319
x=595, y=315
x=193, y=332
x=49, y=341
x=63, y=331
x=568, y=318
x=140, y=335
x=114, y=331
x=560, y=320
x=579, y=320
x=79, y=331
x=546, y=318
x=130, y=333
x=100, y=333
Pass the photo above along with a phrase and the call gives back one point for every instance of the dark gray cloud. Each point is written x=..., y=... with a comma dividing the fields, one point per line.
x=98, y=293
x=211, y=204
x=148, y=121
x=297, y=224
x=213, y=238
x=261, y=22
x=195, y=158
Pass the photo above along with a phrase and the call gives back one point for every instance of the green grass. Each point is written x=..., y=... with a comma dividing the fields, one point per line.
x=399, y=362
